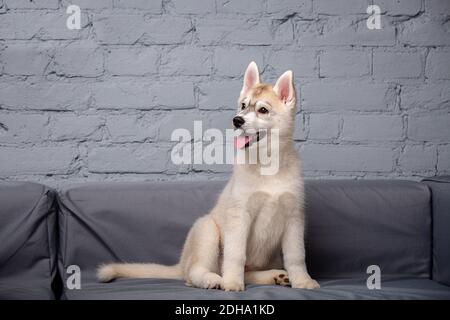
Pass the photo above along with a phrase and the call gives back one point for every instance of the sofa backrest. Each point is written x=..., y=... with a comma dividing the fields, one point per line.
x=350, y=224
x=134, y=222
x=354, y=224
x=27, y=241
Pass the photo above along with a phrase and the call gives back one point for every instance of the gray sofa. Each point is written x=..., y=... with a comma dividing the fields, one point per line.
x=401, y=226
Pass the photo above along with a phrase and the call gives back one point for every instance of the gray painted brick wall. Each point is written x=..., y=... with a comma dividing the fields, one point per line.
x=100, y=103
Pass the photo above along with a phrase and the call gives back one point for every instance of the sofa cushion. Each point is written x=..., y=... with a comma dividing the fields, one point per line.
x=440, y=190
x=27, y=237
x=355, y=288
x=350, y=224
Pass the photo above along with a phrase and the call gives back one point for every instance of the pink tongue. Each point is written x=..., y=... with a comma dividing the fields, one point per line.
x=241, y=141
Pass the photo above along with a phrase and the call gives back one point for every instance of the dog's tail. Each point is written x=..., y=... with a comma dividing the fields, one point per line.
x=108, y=272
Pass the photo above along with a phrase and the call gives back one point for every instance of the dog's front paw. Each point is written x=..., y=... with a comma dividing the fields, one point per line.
x=233, y=285
x=211, y=281
x=306, y=283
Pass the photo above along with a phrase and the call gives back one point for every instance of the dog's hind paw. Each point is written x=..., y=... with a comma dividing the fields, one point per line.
x=281, y=278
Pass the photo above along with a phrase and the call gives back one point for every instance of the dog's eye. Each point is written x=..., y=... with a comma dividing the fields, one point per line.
x=263, y=110
x=243, y=106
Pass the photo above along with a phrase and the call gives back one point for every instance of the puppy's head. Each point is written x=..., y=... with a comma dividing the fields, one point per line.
x=262, y=107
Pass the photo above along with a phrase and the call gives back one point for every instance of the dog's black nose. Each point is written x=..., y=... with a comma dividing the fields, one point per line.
x=238, y=121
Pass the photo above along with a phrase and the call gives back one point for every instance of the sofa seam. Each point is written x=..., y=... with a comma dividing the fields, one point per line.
x=49, y=231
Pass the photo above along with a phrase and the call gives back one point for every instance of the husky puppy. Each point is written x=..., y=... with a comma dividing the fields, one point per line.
x=255, y=233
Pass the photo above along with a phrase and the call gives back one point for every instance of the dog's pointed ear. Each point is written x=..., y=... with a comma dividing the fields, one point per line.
x=284, y=88
x=251, y=77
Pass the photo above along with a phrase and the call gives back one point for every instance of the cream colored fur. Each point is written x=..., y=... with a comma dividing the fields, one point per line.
x=255, y=232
